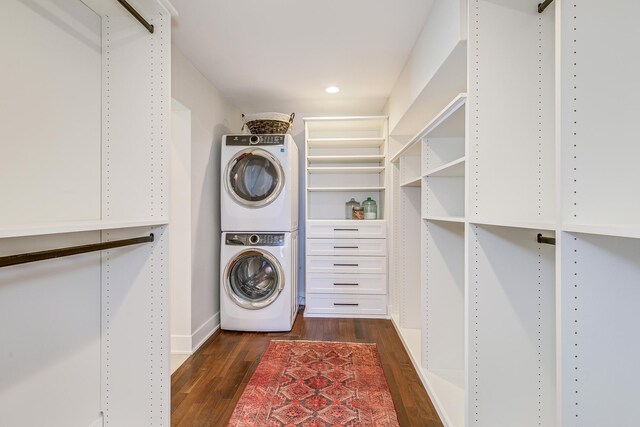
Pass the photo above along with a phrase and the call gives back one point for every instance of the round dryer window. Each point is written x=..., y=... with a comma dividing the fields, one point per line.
x=254, y=178
x=254, y=279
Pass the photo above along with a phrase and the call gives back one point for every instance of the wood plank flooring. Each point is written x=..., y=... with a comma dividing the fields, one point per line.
x=205, y=389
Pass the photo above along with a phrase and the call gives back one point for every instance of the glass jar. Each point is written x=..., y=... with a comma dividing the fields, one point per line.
x=370, y=209
x=348, y=214
x=358, y=213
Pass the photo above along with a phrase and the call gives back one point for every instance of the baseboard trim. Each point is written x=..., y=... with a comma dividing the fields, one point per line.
x=184, y=344
x=205, y=331
x=181, y=344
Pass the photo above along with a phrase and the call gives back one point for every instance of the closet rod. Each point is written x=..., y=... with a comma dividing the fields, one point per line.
x=136, y=15
x=7, y=261
x=542, y=6
x=546, y=240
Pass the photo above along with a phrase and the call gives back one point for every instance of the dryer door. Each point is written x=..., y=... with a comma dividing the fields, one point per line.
x=254, y=279
x=254, y=178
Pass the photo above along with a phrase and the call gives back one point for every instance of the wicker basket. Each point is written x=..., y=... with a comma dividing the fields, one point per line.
x=268, y=123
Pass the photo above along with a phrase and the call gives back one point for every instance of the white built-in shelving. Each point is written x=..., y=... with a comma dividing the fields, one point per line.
x=512, y=330
x=599, y=214
x=345, y=158
x=85, y=337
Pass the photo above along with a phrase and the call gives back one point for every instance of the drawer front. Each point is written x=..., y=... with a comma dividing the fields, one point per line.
x=362, y=305
x=363, y=247
x=354, y=229
x=346, y=283
x=346, y=264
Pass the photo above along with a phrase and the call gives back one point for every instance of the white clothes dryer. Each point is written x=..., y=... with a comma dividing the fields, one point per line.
x=259, y=183
x=258, y=283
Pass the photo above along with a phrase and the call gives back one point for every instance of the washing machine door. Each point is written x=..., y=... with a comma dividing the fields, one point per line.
x=254, y=279
x=255, y=178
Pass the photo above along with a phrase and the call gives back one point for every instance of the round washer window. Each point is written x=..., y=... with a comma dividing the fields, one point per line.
x=254, y=279
x=255, y=178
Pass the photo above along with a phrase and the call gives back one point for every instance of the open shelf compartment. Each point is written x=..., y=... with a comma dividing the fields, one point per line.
x=409, y=247
x=443, y=315
x=511, y=323
x=600, y=318
x=329, y=203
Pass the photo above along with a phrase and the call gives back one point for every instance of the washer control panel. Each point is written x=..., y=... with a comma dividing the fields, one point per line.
x=248, y=140
x=254, y=239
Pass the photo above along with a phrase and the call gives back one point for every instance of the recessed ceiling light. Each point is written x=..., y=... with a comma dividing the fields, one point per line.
x=332, y=89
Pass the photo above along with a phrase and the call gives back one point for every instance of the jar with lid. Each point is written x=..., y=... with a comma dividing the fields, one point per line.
x=358, y=213
x=349, y=206
x=370, y=209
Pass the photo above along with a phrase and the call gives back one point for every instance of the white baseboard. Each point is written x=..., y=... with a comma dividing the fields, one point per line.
x=188, y=344
x=181, y=344
x=205, y=331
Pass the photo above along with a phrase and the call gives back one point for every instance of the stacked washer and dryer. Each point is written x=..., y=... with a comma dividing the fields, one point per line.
x=259, y=248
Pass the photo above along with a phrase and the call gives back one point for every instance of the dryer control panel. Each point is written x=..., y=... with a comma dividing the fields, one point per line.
x=248, y=140
x=254, y=239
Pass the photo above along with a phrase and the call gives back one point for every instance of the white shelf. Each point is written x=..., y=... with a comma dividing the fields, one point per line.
x=449, y=79
x=74, y=227
x=345, y=142
x=612, y=230
x=346, y=159
x=459, y=219
x=345, y=170
x=549, y=226
x=331, y=189
x=415, y=182
x=454, y=168
x=449, y=110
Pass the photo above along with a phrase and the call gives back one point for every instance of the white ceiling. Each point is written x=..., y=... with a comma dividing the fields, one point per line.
x=279, y=55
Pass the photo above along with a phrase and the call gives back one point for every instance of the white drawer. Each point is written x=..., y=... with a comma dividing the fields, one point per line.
x=346, y=264
x=363, y=305
x=346, y=229
x=362, y=247
x=346, y=283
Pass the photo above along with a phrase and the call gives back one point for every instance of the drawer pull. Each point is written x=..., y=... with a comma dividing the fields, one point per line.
x=345, y=247
x=346, y=284
x=350, y=304
x=345, y=229
x=345, y=265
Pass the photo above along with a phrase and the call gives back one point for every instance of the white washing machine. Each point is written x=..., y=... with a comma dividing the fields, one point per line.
x=258, y=283
x=260, y=183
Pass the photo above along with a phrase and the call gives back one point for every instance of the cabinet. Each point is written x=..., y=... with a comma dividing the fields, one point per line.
x=86, y=125
x=346, y=260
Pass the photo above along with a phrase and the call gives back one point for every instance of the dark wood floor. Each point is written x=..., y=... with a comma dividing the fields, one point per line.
x=205, y=389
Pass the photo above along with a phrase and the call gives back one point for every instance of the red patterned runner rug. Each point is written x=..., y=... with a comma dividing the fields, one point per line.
x=316, y=384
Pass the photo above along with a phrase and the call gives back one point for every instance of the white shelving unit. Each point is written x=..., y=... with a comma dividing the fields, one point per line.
x=511, y=331
x=428, y=304
x=85, y=338
x=599, y=262
x=346, y=261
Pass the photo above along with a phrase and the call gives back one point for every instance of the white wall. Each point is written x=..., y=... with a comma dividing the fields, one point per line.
x=180, y=229
x=444, y=28
x=211, y=117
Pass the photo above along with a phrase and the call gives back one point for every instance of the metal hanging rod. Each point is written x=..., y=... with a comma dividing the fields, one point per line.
x=7, y=261
x=136, y=15
x=542, y=6
x=546, y=240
